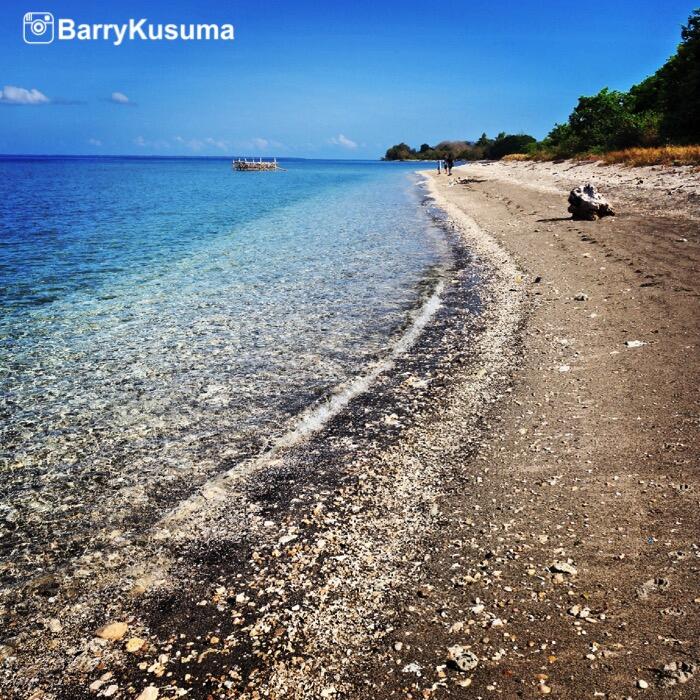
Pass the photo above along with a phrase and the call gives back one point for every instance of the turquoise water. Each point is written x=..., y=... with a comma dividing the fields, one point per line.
x=163, y=319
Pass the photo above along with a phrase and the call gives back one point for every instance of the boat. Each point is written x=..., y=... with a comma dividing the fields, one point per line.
x=243, y=164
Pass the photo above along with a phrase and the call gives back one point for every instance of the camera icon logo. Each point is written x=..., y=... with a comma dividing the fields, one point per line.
x=38, y=28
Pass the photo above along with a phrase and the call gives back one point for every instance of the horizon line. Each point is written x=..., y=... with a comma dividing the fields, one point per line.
x=155, y=155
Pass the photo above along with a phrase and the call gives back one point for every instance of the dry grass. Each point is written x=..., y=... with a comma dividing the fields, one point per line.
x=538, y=156
x=667, y=155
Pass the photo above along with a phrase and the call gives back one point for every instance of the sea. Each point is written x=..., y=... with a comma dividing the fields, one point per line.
x=164, y=319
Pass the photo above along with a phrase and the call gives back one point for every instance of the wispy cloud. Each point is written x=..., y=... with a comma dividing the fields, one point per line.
x=217, y=143
x=196, y=145
x=200, y=144
x=258, y=144
x=119, y=98
x=344, y=141
x=94, y=142
x=12, y=95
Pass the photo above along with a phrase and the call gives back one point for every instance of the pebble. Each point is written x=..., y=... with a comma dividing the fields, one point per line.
x=677, y=672
x=113, y=631
x=464, y=659
x=578, y=611
x=149, y=693
x=642, y=684
x=413, y=667
x=564, y=567
x=134, y=644
x=55, y=625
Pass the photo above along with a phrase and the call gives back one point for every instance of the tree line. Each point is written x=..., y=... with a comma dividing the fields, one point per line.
x=485, y=147
x=664, y=109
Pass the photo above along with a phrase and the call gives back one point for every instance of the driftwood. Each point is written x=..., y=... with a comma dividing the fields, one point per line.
x=587, y=204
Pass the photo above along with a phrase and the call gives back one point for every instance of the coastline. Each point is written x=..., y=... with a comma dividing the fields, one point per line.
x=436, y=509
x=217, y=528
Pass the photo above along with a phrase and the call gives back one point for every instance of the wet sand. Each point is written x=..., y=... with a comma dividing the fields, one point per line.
x=518, y=493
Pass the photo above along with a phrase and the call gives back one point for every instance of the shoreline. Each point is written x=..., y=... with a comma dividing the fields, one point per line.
x=463, y=507
x=206, y=523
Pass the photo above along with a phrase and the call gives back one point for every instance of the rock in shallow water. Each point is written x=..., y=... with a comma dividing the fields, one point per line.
x=587, y=204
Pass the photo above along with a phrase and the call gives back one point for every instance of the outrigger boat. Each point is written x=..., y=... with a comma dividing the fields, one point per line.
x=245, y=164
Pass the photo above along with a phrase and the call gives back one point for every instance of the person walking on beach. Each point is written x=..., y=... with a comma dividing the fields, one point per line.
x=449, y=163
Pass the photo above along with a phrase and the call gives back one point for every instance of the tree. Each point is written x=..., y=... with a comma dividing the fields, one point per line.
x=453, y=148
x=401, y=151
x=484, y=141
x=559, y=141
x=506, y=144
x=679, y=87
x=604, y=122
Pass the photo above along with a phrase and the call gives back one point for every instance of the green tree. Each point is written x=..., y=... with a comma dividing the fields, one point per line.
x=679, y=87
x=401, y=151
x=480, y=148
x=605, y=122
x=559, y=141
x=506, y=144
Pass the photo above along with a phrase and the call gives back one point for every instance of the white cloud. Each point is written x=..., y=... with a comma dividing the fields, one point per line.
x=344, y=141
x=95, y=142
x=157, y=144
x=12, y=95
x=120, y=98
x=199, y=144
x=258, y=144
x=195, y=145
x=217, y=143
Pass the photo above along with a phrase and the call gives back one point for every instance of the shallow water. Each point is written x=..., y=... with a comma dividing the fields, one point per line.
x=164, y=319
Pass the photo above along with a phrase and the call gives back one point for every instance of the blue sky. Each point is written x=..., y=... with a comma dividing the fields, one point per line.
x=320, y=79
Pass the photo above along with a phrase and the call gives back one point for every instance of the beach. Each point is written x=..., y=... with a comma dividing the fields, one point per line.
x=508, y=506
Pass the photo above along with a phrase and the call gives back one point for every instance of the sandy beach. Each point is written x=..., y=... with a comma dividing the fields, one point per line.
x=509, y=509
